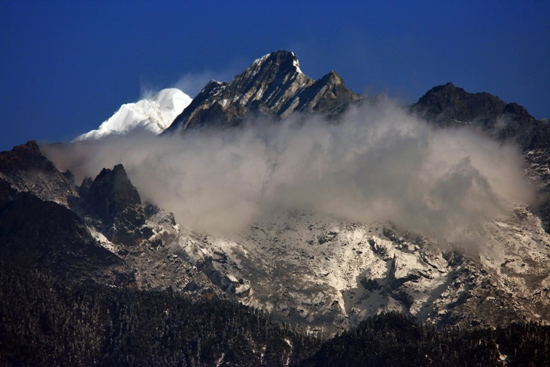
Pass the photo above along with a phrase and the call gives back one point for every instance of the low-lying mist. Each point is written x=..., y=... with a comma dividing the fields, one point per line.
x=378, y=163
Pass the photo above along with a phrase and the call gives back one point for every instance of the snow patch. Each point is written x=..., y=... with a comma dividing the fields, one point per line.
x=150, y=114
x=296, y=65
x=260, y=60
x=102, y=240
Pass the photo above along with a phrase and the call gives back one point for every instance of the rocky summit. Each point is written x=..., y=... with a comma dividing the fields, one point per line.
x=274, y=86
x=448, y=105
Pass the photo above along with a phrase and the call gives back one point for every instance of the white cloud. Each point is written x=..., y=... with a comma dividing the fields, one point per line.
x=378, y=163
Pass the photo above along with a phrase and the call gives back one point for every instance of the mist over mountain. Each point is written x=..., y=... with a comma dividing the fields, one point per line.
x=376, y=163
x=297, y=197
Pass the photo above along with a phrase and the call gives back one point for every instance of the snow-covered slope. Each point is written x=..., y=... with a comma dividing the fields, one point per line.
x=328, y=274
x=317, y=271
x=153, y=114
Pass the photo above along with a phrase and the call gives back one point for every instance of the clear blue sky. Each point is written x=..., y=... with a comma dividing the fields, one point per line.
x=66, y=66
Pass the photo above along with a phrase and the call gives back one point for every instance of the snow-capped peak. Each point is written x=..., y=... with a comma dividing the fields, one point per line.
x=154, y=114
x=258, y=62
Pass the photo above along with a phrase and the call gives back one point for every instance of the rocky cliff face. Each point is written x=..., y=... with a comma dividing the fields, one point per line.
x=139, y=233
x=272, y=87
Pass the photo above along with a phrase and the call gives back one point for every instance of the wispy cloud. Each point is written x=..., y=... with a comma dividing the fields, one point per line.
x=378, y=163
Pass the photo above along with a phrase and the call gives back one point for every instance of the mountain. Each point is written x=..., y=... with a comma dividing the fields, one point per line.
x=274, y=86
x=25, y=168
x=320, y=273
x=38, y=230
x=153, y=114
x=97, y=232
x=448, y=106
x=312, y=271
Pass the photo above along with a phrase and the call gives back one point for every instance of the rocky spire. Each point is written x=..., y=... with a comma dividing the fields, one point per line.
x=113, y=199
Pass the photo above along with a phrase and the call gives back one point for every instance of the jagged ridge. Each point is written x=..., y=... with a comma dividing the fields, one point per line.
x=448, y=105
x=273, y=86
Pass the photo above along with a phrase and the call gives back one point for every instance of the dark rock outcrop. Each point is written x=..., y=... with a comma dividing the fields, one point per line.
x=115, y=202
x=50, y=238
x=62, y=240
x=448, y=105
x=26, y=169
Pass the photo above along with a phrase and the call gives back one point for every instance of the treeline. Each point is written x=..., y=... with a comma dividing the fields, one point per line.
x=46, y=322
x=395, y=339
